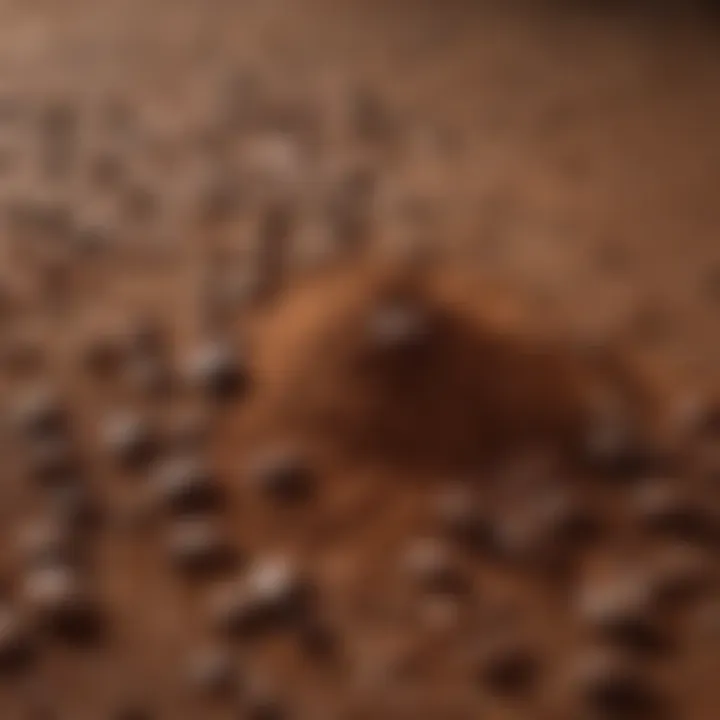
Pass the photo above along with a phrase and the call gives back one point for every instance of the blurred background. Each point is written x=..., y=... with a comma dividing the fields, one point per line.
x=219, y=498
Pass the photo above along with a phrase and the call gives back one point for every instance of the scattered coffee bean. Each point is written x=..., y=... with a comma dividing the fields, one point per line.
x=461, y=518
x=197, y=546
x=282, y=474
x=52, y=461
x=217, y=371
x=508, y=666
x=398, y=327
x=15, y=644
x=184, y=484
x=681, y=574
x=608, y=687
x=57, y=597
x=272, y=594
x=664, y=509
x=431, y=566
x=623, y=611
x=129, y=439
x=41, y=415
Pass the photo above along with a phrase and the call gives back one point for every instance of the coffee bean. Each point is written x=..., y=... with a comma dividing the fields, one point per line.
x=664, y=509
x=431, y=566
x=15, y=643
x=508, y=666
x=102, y=355
x=461, y=518
x=398, y=327
x=681, y=574
x=57, y=597
x=614, y=448
x=74, y=507
x=282, y=474
x=129, y=439
x=196, y=547
x=273, y=594
x=217, y=371
x=184, y=484
x=40, y=414
x=608, y=687
x=623, y=611
x=52, y=461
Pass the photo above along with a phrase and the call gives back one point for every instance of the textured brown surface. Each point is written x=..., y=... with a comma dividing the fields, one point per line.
x=407, y=311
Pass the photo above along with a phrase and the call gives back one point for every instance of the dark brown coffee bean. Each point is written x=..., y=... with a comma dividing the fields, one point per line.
x=52, y=461
x=15, y=642
x=282, y=474
x=102, y=355
x=217, y=371
x=57, y=597
x=614, y=448
x=398, y=326
x=508, y=666
x=74, y=507
x=623, y=611
x=431, y=566
x=41, y=415
x=663, y=508
x=461, y=518
x=129, y=439
x=196, y=547
x=272, y=594
x=607, y=687
x=681, y=574
x=185, y=484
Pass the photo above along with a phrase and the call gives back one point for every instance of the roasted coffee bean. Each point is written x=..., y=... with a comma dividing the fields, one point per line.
x=398, y=327
x=608, y=687
x=431, y=566
x=52, y=461
x=681, y=574
x=197, y=546
x=59, y=600
x=217, y=371
x=184, y=484
x=102, y=355
x=273, y=594
x=623, y=611
x=129, y=439
x=15, y=642
x=461, y=517
x=663, y=509
x=614, y=448
x=508, y=666
x=282, y=474
x=40, y=415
